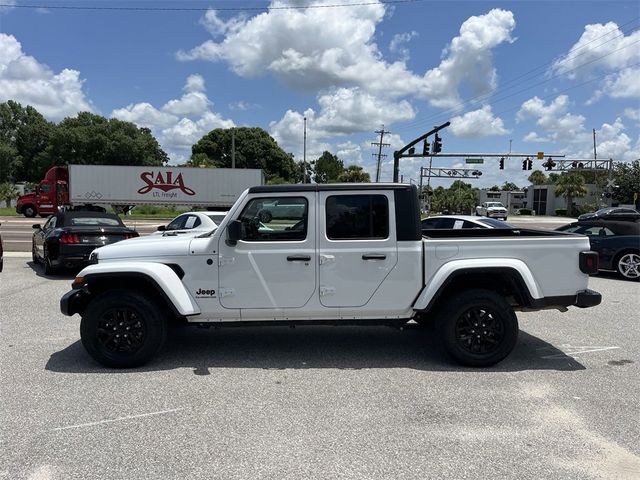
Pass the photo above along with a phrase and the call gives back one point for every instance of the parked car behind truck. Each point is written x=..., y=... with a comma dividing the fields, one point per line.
x=353, y=255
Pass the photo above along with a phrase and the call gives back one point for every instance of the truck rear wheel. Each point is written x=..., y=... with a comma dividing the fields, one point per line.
x=478, y=328
x=123, y=329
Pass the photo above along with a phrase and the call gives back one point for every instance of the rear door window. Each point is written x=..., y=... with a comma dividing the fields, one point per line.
x=357, y=217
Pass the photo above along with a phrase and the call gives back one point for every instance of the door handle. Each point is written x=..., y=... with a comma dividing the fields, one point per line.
x=374, y=256
x=298, y=258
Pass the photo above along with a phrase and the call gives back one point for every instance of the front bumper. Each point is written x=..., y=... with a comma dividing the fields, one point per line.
x=496, y=214
x=74, y=301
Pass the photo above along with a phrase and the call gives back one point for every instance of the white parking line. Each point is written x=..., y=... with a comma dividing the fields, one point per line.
x=91, y=424
x=569, y=351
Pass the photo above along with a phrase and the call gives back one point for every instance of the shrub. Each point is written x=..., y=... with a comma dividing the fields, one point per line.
x=561, y=212
x=525, y=211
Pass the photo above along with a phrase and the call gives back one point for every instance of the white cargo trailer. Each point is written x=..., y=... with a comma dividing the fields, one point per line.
x=127, y=186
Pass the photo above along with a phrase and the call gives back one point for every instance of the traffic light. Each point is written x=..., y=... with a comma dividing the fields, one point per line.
x=529, y=164
x=502, y=163
x=524, y=164
x=437, y=144
x=549, y=164
x=425, y=148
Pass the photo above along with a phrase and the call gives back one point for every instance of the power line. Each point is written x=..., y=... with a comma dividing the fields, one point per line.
x=204, y=9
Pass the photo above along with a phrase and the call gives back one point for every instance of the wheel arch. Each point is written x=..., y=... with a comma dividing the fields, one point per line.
x=507, y=281
x=159, y=281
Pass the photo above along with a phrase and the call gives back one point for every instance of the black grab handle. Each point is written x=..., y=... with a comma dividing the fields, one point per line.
x=374, y=256
x=298, y=258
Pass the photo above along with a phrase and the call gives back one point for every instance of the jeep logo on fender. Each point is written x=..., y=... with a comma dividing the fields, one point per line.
x=165, y=183
x=205, y=293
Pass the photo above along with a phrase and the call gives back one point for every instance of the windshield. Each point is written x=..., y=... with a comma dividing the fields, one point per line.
x=495, y=204
x=216, y=217
x=94, y=221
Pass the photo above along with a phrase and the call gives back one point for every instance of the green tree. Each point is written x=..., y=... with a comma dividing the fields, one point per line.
x=327, y=168
x=90, y=139
x=460, y=197
x=8, y=192
x=569, y=186
x=27, y=133
x=495, y=188
x=538, y=177
x=509, y=187
x=254, y=148
x=354, y=174
x=8, y=161
x=627, y=179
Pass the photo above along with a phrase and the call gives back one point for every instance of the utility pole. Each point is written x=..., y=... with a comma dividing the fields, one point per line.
x=304, y=153
x=380, y=155
x=595, y=154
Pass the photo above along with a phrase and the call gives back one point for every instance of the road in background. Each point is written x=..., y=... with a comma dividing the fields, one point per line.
x=319, y=402
x=17, y=231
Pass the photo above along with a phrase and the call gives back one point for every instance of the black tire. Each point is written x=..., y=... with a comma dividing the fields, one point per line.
x=48, y=268
x=485, y=315
x=628, y=265
x=128, y=313
x=29, y=211
x=34, y=255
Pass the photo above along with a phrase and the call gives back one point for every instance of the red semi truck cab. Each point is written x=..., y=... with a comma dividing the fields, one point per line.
x=51, y=193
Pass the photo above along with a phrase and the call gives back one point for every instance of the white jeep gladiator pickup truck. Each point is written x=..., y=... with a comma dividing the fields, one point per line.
x=354, y=254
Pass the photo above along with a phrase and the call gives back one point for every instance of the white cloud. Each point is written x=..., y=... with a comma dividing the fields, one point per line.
x=397, y=44
x=179, y=123
x=144, y=114
x=468, y=59
x=243, y=106
x=612, y=142
x=350, y=153
x=604, y=47
x=632, y=113
x=478, y=123
x=325, y=48
x=29, y=82
x=343, y=111
x=558, y=124
x=625, y=84
x=350, y=110
x=533, y=137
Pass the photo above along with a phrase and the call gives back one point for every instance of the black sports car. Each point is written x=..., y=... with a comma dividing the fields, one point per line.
x=68, y=238
x=617, y=243
x=611, y=213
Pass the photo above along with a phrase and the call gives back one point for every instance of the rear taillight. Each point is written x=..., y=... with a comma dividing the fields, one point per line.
x=589, y=262
x=69, y=238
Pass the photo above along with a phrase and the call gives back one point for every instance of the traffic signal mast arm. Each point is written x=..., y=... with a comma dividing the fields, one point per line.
x=400, y=153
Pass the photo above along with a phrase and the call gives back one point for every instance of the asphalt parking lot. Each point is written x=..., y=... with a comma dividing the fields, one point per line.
x=319, y=402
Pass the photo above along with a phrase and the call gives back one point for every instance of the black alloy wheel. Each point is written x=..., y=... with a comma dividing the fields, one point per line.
x=478, y=327
x=29, y=211
x=479, y=331
x=123, y=328
x=49, y=269
x=120, y=330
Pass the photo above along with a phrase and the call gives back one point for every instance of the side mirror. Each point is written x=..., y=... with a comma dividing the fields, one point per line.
x=234, y=232
x=36, y=226
x=161, y=228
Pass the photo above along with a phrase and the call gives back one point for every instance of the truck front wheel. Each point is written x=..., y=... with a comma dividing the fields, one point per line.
x=478, y=328
x=123, y=329
x=29, y=211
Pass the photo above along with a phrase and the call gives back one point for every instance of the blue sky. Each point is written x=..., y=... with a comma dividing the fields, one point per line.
x=542, y=74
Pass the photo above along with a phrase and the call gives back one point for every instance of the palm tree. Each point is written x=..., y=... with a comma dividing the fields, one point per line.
x=354, y=174
x=8, y=192
x=538, y=177
x=571, y=185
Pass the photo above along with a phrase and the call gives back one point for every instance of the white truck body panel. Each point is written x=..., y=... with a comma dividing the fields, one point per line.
x=132, y=185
